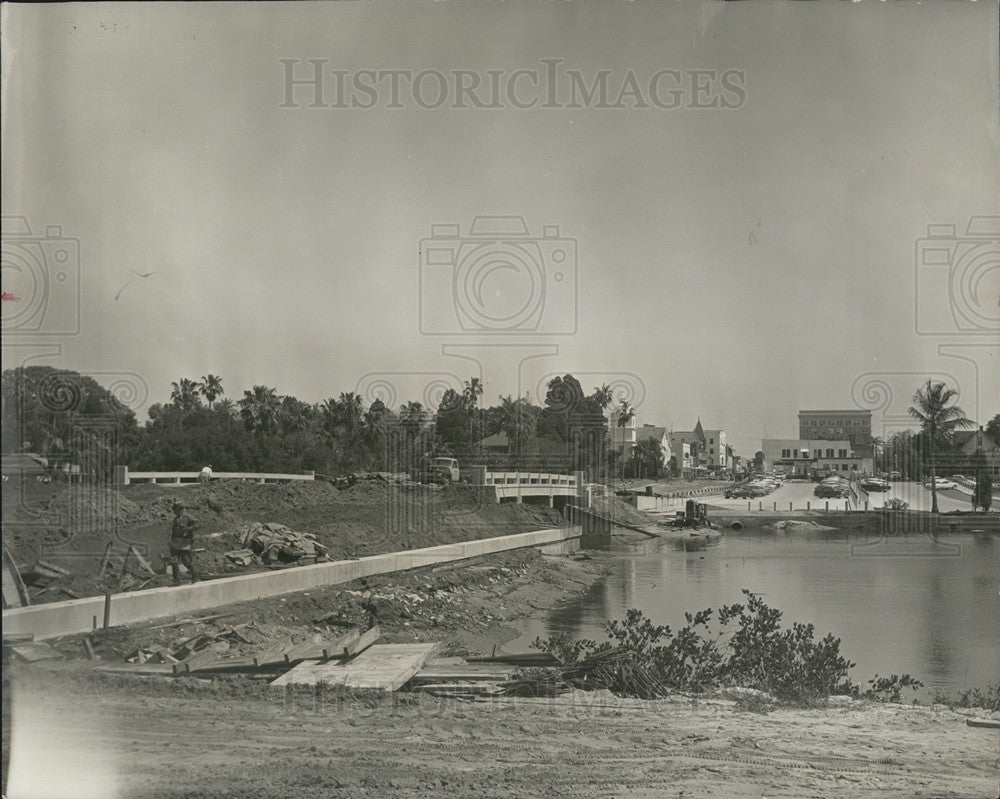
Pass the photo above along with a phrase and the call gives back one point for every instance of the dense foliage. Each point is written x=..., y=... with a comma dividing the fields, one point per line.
x=740, y=645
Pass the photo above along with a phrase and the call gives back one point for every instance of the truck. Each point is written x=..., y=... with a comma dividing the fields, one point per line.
x=438, y=470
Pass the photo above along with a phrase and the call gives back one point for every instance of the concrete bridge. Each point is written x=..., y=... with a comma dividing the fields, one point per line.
x=554, y=490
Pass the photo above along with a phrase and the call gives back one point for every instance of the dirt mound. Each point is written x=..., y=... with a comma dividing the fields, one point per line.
x=368, y=518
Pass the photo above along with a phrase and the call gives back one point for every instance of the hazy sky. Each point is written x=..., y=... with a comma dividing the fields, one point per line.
x=735, y=263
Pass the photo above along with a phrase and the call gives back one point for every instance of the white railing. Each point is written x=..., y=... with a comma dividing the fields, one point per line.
x=530, y=478
x=123, y=476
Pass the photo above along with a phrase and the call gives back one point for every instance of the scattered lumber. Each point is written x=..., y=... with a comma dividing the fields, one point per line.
x=44, y=565
x=193, y=620
x=326, y=649
x=141, y=560
x=385, y=667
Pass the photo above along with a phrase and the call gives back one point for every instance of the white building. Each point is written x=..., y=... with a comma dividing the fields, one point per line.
x=806, y=457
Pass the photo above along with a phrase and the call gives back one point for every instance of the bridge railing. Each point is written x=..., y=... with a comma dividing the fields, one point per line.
x=123, y=476
x=529, y=478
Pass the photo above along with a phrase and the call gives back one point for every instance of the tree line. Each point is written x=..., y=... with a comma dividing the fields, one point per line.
x=69, y=417
x=262, y=430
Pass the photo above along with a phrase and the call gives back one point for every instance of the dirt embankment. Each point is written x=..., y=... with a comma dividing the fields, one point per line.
x=141, y=737
x=71, y=527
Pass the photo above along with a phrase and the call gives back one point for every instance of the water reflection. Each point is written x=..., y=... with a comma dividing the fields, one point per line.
x=937, y=618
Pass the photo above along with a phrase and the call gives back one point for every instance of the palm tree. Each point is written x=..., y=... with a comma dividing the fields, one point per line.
x=938, y=421
x=350, y=411
x=626, y=413
x=514, y=421
x=184, y=394
x=211, y=388
x=226, y=406
x=259, y=408
x=603, y=396
x=472, y=391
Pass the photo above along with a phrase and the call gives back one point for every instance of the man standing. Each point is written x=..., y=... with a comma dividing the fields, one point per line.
x=182, y=543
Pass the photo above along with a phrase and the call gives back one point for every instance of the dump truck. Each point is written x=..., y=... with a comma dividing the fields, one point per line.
x=438, y=470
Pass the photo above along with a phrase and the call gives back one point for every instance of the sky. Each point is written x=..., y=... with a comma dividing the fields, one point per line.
x=734, y=230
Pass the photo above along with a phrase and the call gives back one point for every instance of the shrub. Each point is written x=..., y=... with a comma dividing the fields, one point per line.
x=741, y=645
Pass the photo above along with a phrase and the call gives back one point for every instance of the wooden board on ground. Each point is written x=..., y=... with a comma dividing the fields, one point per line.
x=464, y=672
x=137, y=668
x=324, y=650
x=383, y=667
x=33, y=652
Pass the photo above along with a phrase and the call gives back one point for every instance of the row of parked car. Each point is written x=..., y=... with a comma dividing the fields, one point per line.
x=758, y=487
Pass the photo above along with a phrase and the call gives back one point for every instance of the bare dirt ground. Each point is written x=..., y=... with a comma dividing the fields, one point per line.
x=70, y=527
x=139, y=737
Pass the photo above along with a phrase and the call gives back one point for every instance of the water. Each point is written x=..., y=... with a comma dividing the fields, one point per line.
x=904, y=605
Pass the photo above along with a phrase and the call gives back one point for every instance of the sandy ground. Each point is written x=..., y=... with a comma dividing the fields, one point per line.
x=130, y=737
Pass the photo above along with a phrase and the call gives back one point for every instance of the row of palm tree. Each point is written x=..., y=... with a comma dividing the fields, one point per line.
x=186, y=394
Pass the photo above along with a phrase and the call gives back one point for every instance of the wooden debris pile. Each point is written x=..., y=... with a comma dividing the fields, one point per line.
x=273, y=543
x=199, y=655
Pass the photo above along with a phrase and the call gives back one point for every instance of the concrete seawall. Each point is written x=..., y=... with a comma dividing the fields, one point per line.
x=84, y=615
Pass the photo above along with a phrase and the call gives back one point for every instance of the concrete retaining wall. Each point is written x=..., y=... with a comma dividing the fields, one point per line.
x=83, y=615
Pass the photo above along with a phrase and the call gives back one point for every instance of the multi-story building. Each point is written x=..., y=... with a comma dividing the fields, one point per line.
x=803, y=457
x=707, y=448
x=854, y=426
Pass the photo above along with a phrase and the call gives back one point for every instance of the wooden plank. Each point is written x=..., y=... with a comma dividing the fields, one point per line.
x=323, y=650
x=383, y=667
x=136, y=668
x=105, y=560
x=33, y=652
x=467, y=672
x=18, y=638
x=89, y=648
x=53, y=568
x=141, y=560
x=363, y=642
x=199, y=620
x=988, y=723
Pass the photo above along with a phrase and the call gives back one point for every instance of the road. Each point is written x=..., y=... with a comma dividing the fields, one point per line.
x=801, y=496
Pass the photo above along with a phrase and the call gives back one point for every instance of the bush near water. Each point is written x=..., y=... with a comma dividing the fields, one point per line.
x=741, y=645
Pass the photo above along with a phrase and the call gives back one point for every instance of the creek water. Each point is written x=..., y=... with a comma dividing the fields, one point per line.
x=917, y=605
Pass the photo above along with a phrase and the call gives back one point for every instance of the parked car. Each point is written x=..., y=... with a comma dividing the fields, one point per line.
x=939, y=483
x=875, y=484
x=959, y=478
x=832, y=487
x=895, y=476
